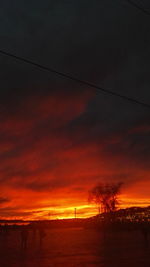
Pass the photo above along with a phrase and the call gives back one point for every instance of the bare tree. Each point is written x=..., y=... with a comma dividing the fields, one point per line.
x=105, y=196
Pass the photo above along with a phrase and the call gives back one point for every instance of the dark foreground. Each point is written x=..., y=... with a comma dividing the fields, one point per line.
x=75, y=247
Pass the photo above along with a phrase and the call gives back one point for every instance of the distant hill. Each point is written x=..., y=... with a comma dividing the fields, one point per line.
x=130, y=214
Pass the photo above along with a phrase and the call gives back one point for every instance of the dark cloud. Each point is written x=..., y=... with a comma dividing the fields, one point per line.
x=3, y=200
x=99, y=41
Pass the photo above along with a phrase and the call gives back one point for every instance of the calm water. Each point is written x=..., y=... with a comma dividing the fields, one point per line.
x=75, y=247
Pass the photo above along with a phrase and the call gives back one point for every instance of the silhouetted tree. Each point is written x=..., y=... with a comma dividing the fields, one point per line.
x=105, y=196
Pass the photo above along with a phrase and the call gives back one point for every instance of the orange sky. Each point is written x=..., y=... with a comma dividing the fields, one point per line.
x=58, y=137
x=55, y=148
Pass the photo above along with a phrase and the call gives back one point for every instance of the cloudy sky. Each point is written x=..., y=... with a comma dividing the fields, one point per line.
x=59, y=138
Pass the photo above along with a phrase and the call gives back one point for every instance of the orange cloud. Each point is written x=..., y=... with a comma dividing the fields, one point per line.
x=52, y=151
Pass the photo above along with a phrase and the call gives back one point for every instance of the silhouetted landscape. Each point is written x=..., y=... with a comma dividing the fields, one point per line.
x=121, y=238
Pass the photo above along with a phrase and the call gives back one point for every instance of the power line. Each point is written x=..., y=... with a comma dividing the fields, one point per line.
x=145, y=11
x=70, y=77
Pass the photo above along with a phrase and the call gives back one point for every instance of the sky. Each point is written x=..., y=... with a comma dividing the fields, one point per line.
x=59, y=138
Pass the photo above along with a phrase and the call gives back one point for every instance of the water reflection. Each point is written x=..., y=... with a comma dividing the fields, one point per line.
x=73, y=247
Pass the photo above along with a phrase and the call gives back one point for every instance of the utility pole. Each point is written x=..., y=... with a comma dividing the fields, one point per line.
x=99, y=210
x=75, y=213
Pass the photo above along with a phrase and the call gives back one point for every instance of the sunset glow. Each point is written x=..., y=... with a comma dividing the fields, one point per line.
x=51, y=157
x=74, y=133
